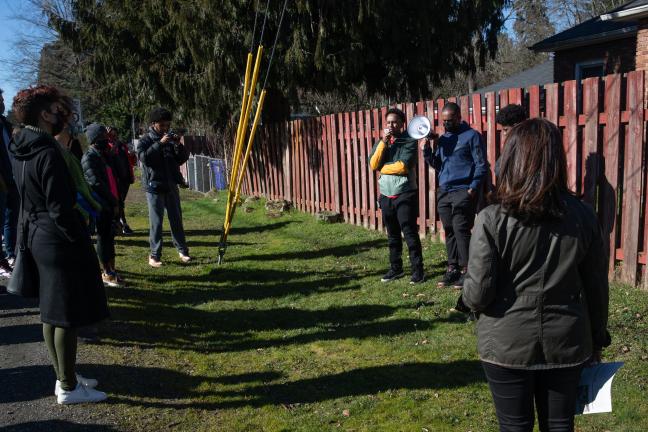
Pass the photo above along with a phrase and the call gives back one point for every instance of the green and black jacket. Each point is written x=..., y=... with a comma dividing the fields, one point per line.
x=396, y=163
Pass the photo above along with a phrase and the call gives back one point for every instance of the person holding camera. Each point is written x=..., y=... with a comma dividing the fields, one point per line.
x=161, y=154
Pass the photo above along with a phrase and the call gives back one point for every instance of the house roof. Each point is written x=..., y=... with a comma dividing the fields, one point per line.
x=619, y=23
x=540, y=74
x=628, y=12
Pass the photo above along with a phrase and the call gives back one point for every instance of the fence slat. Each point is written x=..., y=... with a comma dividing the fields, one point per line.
x=611, y=145
x=349, y=167
x=632, y=178
x=476, y=122
x=551, y=101
x=357, y=210
x=570, y=135
x=590, y=155
x=362, y=139
x=534, y=101
x=343, y=171
x=491, y=132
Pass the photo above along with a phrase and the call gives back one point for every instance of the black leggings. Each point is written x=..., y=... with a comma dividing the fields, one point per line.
x=105, y=238
x=514, y=391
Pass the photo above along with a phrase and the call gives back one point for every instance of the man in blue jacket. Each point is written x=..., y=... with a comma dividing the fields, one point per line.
x=459, y=157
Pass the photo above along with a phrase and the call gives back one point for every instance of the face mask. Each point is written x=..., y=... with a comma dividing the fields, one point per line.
x=101, y=144
x=58, y=126
x=450, y=126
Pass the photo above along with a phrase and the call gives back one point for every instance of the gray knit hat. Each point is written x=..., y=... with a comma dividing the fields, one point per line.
x=94, y=131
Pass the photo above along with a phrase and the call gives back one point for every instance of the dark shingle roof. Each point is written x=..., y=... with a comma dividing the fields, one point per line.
x=592, y=31
x=540, y=74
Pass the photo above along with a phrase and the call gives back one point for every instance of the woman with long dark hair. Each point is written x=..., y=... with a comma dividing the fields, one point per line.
x=52, y=233
x=537, y=280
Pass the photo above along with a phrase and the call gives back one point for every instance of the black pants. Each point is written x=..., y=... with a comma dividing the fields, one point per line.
x=124, y=186
x=399, y=216
x=105, y=237
x=514, y=391
x=457, y=212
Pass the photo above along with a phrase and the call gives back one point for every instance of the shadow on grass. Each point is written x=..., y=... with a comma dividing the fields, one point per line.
x=58, y=426
x=23, y=333
x=190, y=329
x=167, y=388
x=337, y=251
x=225, y=283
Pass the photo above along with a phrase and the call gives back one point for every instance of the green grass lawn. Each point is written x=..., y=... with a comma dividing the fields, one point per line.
x=295, y=332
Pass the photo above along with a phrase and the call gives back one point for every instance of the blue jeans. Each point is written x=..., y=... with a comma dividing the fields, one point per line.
x=157, y=203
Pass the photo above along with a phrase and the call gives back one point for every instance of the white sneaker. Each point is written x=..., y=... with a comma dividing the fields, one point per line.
x=86, y=382
x=81, y=394
x=184, y=258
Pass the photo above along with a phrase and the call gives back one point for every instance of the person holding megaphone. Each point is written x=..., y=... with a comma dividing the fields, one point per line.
x=458, y=156
x=395, y=157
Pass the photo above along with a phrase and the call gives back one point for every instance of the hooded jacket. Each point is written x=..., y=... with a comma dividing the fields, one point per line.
x=48, y=194
x=161, y=162
x=94, y=169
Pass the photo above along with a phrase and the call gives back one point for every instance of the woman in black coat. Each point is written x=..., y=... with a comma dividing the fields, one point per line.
x=71, y=292
x=537, y=280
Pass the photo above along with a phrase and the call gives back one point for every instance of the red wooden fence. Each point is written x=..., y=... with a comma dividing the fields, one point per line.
x=320, y=163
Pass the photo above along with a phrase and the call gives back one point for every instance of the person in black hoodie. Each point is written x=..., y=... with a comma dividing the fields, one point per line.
x=161, y=154
x=71, y=293
x=98, y=172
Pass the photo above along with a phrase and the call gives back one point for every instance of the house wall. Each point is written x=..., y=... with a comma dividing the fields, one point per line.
x=642, y=45
x=618, y=56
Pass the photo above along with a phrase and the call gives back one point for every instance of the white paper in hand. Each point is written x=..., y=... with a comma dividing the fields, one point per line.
x=595, y=388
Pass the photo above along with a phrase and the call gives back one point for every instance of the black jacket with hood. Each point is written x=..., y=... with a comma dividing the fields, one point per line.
x=71, y=293
x=94, y=170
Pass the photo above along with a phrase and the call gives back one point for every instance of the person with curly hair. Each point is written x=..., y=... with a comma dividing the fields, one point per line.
x=71, y=293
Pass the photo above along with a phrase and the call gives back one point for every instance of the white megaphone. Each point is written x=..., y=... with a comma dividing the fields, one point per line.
x=419, y=127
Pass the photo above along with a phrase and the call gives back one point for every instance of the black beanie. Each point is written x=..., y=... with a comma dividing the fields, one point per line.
x=160, y=114
x=93, y=131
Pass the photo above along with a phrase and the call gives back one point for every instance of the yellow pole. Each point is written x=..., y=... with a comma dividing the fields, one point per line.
x=241, y=137
x=248, y=108
x=239, y=180
x=246, y=90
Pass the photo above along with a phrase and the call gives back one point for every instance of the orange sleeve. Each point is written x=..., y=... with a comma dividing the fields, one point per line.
x=374, y=162
x=396, y=168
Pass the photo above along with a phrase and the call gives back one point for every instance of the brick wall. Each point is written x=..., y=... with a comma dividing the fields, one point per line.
x=618, y=55
x=642, y=45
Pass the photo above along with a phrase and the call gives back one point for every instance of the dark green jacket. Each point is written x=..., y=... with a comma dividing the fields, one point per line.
x=541, y=291
x=396, y=163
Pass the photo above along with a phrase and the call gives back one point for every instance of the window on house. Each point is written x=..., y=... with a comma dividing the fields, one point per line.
x=590, y=69
x=584, y=70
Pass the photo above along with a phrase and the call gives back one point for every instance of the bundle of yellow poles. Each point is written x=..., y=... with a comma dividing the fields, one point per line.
x=241, y=153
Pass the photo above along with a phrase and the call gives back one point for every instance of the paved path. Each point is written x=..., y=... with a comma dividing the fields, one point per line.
x=27, y=379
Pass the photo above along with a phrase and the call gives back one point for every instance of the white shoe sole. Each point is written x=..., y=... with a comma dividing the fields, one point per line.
x=398, y=276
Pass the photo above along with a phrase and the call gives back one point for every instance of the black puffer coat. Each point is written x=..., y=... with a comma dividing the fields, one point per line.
x=71, y=290
x=94, y=170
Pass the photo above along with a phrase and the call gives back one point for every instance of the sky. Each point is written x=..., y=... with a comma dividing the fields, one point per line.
x=13, y=29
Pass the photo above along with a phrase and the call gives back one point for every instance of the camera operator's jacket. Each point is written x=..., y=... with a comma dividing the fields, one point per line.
x=161, y=166
x=396, y=163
